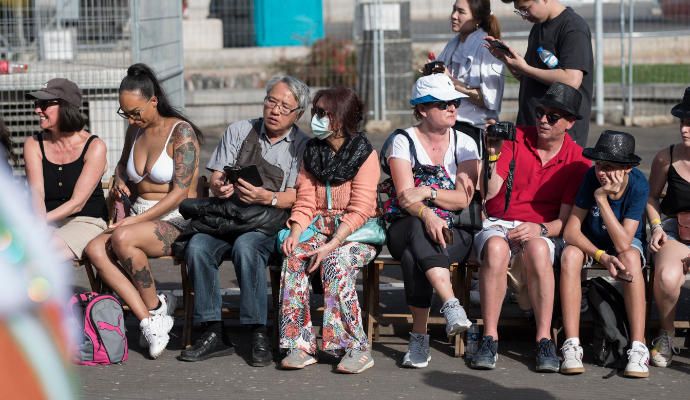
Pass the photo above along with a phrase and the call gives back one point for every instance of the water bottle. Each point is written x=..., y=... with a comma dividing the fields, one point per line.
x=474, y=336
x=547, y=58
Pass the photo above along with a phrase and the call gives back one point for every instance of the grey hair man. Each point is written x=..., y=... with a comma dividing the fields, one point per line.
x=275, y=145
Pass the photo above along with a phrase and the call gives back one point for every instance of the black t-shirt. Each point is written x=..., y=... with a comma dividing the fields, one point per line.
x=568, y=37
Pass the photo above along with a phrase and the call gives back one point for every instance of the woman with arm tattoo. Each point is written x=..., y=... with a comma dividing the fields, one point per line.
x=160, y=163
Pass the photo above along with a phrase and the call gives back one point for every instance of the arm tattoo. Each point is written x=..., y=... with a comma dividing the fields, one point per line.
x=143, y=278
x=166, y=233
x=127, y=264
x=185, y=155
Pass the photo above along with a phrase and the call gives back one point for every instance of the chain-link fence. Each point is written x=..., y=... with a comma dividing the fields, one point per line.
x=90, y=42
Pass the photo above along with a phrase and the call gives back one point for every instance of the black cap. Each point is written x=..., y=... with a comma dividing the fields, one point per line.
x=613, y=146
x=563, y=97
x=682, y=110
x=59, y=88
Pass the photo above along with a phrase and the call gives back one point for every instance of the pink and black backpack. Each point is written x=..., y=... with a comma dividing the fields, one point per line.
x=102, y=322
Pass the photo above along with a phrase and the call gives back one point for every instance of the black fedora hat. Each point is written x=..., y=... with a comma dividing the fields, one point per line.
x=613, y=146
x=682, y=110
x=563, y=97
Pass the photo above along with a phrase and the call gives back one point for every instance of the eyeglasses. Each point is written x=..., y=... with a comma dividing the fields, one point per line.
x=318, y=111
x=522, y=13
x=551, y=118
x=443, y=105
x=43, y=104
x=134, y=114
x=283, y=109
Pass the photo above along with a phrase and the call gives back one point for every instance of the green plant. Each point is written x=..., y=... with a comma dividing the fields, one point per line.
x=331, y=62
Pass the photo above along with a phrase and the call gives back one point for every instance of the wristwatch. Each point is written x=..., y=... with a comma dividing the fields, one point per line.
x=274, y=200
x=434, y=193
x=544, y=231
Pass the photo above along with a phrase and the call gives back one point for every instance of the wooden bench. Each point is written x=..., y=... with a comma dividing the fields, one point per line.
x=371, y=310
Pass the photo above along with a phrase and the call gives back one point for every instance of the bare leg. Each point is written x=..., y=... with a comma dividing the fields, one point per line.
x=668, y=280
x=536, y=260
x=572, y=261
x=440, y=281
x=633, y=293
x=493, y=282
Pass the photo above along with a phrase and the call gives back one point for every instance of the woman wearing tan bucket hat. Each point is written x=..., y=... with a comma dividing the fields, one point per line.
x=64, y=166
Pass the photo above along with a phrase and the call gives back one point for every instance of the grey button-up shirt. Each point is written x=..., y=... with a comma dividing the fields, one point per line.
x=286, y=153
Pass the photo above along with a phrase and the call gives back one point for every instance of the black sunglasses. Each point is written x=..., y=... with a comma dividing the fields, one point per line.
x=551, y=117
x=43, y=104
x=443, y=105
x=318, y=111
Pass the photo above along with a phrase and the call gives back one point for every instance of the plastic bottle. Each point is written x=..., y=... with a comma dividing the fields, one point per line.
x=474, y=336
x=547, y=58
x=7, y=67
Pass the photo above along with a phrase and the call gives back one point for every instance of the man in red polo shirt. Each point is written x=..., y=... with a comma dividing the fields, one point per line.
x=525, y=219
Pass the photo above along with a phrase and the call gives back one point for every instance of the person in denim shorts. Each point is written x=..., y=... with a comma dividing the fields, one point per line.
x=605, y=226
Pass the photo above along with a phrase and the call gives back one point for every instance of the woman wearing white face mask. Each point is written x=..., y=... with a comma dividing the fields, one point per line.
x=337, y=181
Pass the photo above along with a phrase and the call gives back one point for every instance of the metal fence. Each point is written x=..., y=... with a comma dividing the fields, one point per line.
x=90, y=42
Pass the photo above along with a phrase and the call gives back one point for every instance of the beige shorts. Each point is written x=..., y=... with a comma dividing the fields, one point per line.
x=77, y=232
x=174, y=217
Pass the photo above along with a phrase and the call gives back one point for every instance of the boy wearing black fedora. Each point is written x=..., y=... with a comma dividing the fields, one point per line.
x=605, y=227
x=671, y=253
x=532, y=187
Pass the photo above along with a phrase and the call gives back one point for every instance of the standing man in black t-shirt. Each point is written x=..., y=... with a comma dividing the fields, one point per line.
x=562, y=32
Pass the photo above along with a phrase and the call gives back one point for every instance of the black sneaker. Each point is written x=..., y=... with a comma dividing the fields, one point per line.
x=207, y=346
x=262, y=354
x=547, y=360
x=486, y=355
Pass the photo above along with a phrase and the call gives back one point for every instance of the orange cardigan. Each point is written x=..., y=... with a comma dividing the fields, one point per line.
x=355, y=199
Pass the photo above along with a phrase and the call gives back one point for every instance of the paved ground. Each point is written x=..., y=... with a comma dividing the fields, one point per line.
x=446, y=378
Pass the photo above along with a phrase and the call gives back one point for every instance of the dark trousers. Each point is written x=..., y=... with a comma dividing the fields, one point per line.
x=409, y=243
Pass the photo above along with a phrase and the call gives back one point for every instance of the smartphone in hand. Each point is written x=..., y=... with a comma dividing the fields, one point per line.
x=624, y=276
x=499, y=45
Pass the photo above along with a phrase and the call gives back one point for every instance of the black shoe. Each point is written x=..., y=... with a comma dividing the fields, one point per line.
x=486, y=355
x=262, y=354
x=547, y=360
x=207, y=346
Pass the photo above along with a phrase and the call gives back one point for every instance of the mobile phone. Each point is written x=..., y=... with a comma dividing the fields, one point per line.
x=624, y=276
x=447, y=235
x=250, y=173
x=497, y=44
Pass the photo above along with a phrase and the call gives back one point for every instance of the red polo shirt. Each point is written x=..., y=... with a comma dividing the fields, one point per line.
x=538, y=191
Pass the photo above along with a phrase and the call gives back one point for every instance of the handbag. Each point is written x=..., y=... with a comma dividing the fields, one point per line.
x=684, y=226
x=470, y=217
x=303, y=237
x=372, y=232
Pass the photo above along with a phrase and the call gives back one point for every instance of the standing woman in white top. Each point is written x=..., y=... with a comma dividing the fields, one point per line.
x=160, y=161
x=473, y=70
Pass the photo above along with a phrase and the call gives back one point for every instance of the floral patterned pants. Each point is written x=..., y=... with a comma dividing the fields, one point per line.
x=342, y=317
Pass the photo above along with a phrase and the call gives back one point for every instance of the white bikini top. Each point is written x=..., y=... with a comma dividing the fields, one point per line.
x=163, y=168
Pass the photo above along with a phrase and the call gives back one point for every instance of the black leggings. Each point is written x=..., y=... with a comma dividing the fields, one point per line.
x=409, y=243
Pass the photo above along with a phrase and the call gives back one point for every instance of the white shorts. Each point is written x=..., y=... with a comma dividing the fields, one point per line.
x=174, y=217
x=500, y=227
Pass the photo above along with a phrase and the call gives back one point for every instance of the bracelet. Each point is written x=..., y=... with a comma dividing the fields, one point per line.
x=420, y=213
x=495, y=157
x=598, y=254
x=655, y=221
x=654, y=227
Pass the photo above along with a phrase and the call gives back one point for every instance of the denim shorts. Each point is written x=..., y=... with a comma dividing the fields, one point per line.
x=670, y=226
x=636, y=243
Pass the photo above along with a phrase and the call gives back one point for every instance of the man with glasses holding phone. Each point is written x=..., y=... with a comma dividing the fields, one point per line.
x=531, y=190
x=274, y=144
x=558, y=30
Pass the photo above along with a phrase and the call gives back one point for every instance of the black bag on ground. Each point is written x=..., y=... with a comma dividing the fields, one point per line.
x=611, y=335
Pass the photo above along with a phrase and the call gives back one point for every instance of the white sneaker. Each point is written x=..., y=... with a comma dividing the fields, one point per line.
x=155, y=329
x=456, y=318
x=663, y=350
x=638, y=360
x=417, y=355
x=572, y=358
x=167, y=307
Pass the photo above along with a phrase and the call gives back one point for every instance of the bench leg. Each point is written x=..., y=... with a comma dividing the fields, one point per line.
x=188, y=303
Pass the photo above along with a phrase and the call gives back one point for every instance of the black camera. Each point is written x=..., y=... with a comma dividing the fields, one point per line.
x=501, y=130
x=434, y=67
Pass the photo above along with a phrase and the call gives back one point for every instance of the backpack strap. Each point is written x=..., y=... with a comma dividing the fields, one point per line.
x=389, y=141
